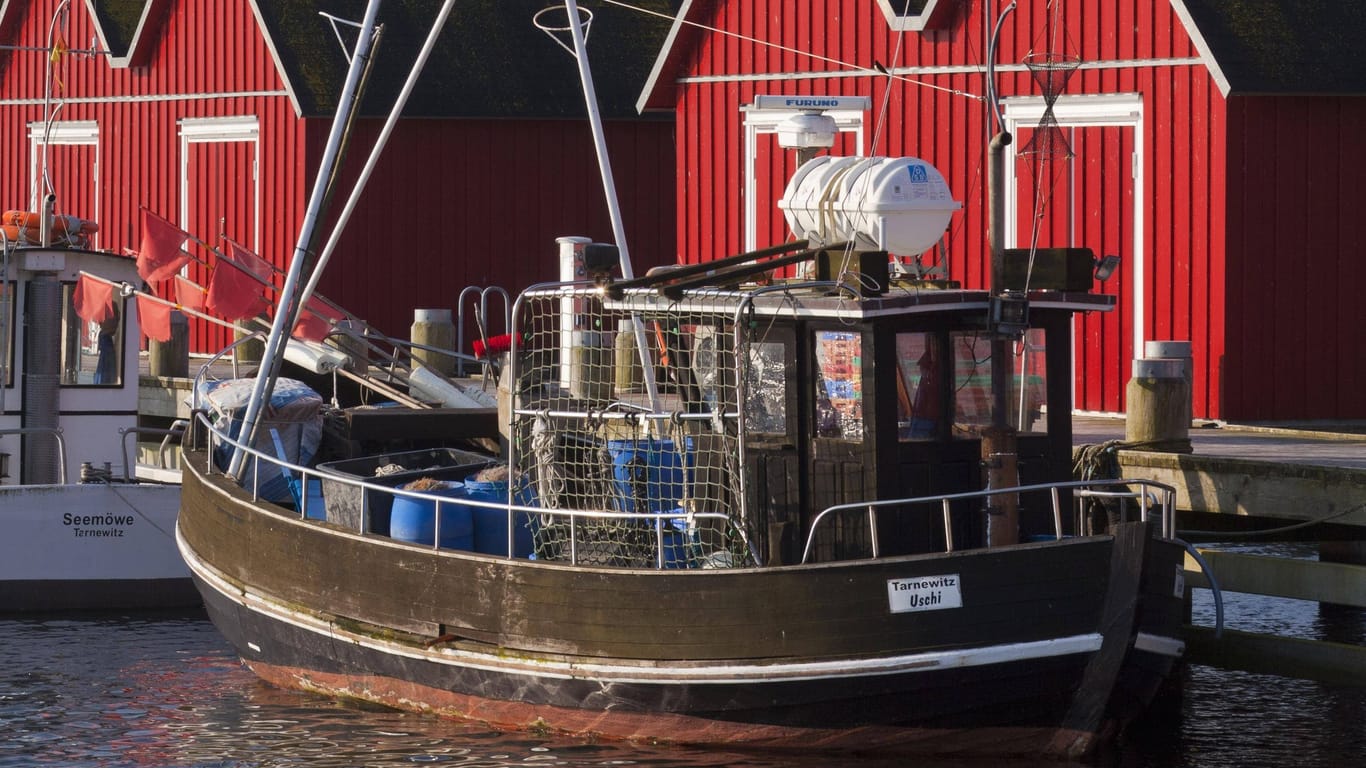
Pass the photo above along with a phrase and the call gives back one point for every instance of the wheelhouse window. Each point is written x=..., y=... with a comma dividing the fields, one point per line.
x=839, y=384
x=92, y=353
x=766, y=384
x=919, y=385
x=1027, y=383
x=1030, y=381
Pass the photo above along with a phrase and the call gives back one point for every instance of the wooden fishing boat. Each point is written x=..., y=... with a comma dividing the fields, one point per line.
x=87, y=526
x=755, y=560
x=796, y=499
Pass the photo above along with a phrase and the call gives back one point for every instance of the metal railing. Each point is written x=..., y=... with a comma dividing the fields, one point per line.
x=55, y=432
x=481, y=318
x=176, y=432
x=655, y=521
x=1147, y=492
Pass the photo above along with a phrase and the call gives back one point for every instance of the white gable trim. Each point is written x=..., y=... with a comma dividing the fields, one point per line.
x=275, y=58
x=1206, y=55
x=913, y=22
x=139, y=40
x=657, y=71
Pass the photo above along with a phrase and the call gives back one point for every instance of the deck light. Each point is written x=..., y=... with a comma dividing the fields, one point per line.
x=1105, y=267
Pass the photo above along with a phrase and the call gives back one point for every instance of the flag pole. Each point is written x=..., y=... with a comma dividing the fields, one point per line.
x=270, y=361
x=418, y=64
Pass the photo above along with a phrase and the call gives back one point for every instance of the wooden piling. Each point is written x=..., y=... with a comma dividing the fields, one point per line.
x=1158, y=406
x=434, y=328
x=171, y=358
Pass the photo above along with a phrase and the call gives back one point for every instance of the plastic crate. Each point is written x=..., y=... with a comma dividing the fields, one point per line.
x=344, y=501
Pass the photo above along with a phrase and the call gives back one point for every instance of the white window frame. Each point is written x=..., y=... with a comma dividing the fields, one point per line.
x=759, y=122
x=68, y=132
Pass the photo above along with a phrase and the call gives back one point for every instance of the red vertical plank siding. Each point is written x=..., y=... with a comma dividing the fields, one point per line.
x=1323, y=182
x=515, y=185
x=203, y=47
x=512, y=186
x=1294, y=230
x=1350, y=273
x=1216, y=236
x=1198, y=218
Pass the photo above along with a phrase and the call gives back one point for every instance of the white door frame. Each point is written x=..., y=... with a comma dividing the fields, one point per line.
x=222, y=129
x=1124, y=110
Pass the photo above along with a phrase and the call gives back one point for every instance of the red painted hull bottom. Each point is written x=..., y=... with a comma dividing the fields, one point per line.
x=637, y=727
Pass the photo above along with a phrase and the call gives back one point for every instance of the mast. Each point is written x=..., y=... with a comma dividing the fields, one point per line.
x=279, y=329
x=609, y=188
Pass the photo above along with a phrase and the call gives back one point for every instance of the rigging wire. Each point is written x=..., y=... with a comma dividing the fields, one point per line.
x=873, y=70
x=955, y=230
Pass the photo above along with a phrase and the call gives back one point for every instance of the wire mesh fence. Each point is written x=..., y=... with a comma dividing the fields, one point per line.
x=634, y=458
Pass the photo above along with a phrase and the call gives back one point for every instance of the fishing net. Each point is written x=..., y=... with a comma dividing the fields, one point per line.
x=633, y=459
x=1051, y=72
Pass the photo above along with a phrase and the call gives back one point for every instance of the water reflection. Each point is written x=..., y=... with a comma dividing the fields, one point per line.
x=167, y=691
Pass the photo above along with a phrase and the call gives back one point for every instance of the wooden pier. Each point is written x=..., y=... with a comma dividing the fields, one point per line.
x=1288, y=484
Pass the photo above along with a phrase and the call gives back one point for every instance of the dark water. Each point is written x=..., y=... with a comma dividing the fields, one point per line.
x=167, y=691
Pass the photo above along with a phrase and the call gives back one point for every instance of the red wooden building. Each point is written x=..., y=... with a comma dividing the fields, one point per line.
x=215, y=114
x=1215, y=148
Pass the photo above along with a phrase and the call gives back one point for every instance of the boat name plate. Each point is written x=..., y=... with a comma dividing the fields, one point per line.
x=924, y=593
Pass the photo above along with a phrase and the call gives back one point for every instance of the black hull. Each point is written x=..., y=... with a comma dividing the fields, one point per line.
x=89, y=595
x=1029, y=664
x=1005, y=709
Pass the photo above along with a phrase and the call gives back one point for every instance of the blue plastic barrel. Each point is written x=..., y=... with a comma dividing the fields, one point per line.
x=491, y=525
x=414, y=520
x=677, y=544
x=651, y=472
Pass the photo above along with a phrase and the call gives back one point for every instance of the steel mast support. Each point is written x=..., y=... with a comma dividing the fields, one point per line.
x=1000, y=455
x=610, y=189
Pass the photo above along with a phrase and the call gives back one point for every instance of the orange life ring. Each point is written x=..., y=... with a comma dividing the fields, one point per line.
x=19, y=235
x=24, y=236
x=62, y=224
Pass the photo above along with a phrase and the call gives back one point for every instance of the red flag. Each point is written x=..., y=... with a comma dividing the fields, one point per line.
x=160, y=254
x=250, y=261
x=315, y=322
x=189, y=294
x=155, y=319
x=233, y=293
x=94, y=300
